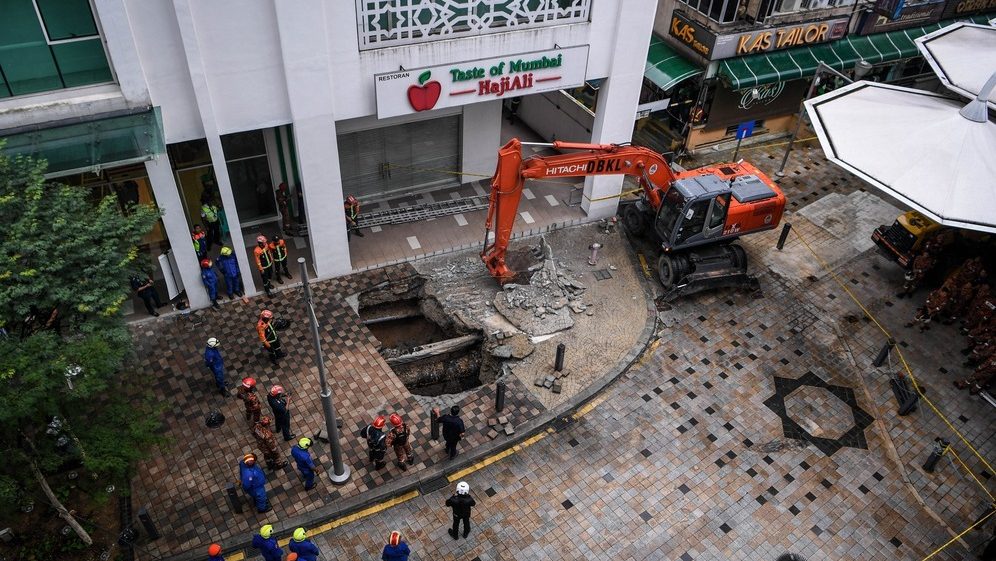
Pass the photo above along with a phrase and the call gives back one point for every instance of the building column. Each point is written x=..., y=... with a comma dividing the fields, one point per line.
x=120, y=42
x=305, y=51
x=481, y=138
x=202, y=93
x=175, y=221
x=618, y=99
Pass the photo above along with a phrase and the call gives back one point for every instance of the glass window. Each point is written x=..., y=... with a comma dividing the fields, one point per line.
x=189, y=154
x=82, y=62
x=30, y=62
x=67, y=19
x=252, y=188
x=243, y=145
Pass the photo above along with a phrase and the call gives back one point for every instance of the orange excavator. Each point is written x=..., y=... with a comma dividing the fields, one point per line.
x=694, y=215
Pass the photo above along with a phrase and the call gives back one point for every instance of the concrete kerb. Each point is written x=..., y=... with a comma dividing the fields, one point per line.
x=285, y=527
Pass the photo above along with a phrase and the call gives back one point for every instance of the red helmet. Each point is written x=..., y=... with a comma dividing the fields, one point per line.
x=205, y=263
x=260, y=239
x=379, y=422
x=396, y=419
x=248, y=383
x=276, y=390
x=351, y=200
x=265, y=421
x=395, y=538
x=214, y=549
x=266, y=314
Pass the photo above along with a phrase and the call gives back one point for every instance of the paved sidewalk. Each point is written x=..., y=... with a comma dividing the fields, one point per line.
x=184, y=486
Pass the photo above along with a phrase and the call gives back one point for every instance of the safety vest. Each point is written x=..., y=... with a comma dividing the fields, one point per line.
x=210, y=212
x=263, y=258
x=267, y=334
x=280, y=250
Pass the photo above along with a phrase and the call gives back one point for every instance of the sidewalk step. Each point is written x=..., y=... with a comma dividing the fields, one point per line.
x=423, y=212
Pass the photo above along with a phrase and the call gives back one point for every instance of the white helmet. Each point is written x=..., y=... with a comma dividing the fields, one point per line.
x=213, y=342
x=463, y=488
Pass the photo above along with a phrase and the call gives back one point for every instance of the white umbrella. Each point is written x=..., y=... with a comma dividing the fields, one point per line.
x=917, y=146
x=963, y=56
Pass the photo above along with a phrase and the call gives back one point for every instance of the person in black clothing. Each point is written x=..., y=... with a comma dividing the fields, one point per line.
x=281, y=414
x=146, y=290
x=453, y=429
x=461, y=503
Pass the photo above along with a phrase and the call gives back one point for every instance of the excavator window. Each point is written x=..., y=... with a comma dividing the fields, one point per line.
x=717, y=214
x=669, y=214
x=694, y=220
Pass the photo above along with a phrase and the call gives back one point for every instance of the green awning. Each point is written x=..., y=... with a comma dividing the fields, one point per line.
x=843, y=54
x=665, y=67
x=70, y=147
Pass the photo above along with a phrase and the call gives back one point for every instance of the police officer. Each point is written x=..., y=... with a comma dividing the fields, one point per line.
x=278, y=248
x=281, y=414
x=229, y=266
x=213, y=360
x=264, y=262
x=264, y=436
x=210, y=280
x=453, y=429
x=146, y=290
x=376, y=441
x=400, y=438
x=461, y=503
x=268, y=336
x=302, y=457
x=210, y=214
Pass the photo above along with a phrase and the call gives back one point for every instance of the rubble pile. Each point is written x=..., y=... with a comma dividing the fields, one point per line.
x=544, y=305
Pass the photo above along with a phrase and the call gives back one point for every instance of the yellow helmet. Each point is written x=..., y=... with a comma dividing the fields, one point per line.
x=266, y=531
x=304, y=443
x=226, y=250
x=300, y=535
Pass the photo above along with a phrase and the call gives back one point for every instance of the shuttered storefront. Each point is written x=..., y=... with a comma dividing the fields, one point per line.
x=400, y=159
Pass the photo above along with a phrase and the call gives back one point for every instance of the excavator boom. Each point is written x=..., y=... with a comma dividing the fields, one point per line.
x=650, y=167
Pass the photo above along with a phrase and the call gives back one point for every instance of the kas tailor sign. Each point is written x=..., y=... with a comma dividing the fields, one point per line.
x=450, y=85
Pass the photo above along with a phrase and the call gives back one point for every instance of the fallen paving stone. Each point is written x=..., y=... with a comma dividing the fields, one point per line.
x=492, y=422
x=548, y=384
x=509, y=431
x=503, y=420
x=493, y=434
x=539, y=381
x=557, y=387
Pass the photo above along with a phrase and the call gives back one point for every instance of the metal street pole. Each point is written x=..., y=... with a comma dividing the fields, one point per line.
x=859, y=71
x=340, y=471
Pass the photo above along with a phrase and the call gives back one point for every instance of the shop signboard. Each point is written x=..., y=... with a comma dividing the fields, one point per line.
x=449, y=85
x=889, y=8
x=692, y=35
x=778, y=38
x=731, y=107
x=959, y=8
x=909, y=16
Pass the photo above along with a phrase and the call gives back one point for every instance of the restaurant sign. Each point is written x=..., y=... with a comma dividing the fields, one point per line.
x=449, y=85
x=959, y=8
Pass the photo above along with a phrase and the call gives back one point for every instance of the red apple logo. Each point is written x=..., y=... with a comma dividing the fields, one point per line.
x=424, y=97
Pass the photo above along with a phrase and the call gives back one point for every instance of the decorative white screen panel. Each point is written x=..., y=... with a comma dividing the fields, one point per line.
x=386, y=23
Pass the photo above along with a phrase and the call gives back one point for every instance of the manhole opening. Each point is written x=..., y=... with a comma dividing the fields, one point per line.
x=425, y=347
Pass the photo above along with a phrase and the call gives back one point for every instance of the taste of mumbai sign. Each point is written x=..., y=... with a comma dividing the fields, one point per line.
x=449, y=85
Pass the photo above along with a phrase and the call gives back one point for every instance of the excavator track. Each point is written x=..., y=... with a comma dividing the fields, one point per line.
x=704, y=268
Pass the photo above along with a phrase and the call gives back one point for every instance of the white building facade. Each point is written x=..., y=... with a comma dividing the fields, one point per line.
x=328, y=98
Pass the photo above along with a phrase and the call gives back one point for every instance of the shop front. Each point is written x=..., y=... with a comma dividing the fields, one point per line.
x=760, y=80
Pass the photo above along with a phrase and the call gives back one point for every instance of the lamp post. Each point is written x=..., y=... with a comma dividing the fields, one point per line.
x=861, y=69
x=340, y=471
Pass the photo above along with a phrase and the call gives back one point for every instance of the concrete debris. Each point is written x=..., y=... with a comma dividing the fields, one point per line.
x=545, y=304
x=502, y=351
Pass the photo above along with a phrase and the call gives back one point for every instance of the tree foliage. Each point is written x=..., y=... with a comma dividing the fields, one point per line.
x=62, y=251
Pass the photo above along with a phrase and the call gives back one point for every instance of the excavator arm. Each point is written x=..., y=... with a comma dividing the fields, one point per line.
x=649, y=167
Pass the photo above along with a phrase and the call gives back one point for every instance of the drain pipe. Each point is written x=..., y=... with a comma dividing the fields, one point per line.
x=340, y=471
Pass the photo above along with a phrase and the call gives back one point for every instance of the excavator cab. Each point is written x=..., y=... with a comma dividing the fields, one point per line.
x=693, y=212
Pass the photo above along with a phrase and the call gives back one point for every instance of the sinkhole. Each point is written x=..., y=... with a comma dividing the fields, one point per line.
x=431, y=352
